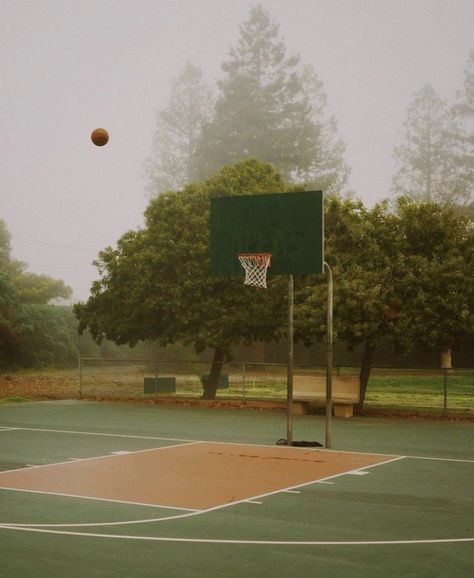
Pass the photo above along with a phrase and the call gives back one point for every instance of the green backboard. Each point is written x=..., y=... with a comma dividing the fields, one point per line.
x=287, y=225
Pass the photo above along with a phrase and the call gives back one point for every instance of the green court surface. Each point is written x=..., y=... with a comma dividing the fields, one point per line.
x=411, y=515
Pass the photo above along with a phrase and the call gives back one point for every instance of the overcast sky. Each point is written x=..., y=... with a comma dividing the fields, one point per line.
x=68, y=66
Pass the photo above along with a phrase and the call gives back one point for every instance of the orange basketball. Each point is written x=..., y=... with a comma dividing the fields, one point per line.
x=100, y=137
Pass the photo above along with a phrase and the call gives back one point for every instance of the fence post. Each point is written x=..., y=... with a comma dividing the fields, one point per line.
x=79, y=376
x=445, y=392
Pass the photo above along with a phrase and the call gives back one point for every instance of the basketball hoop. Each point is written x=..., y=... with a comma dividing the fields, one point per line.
x=256, y=266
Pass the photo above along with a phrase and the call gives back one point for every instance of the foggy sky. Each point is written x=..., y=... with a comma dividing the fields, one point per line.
x=67, y=67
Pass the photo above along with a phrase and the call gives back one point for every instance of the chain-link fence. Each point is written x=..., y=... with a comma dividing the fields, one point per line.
x=428, y=390
x=141, y=377
x=435, y=391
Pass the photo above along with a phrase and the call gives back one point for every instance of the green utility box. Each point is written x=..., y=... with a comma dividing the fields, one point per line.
x=160, y=385
x=223, y=380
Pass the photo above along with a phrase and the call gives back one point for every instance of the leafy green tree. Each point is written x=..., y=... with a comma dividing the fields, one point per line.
x=362, y=250
x=32, y=332
x=403, y=278
x=272, y=109
x=9, y=305
x=156, y=283
x=30, y=287
x=8, y=265
x=5, y=246
x=48, y=336
x=172, y=164
x=427, y=167
x=39, y=289
x=437, y=289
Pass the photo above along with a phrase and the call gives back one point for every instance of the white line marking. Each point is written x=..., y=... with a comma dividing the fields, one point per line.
x=357, y=473
x=106, y=456
x=253, y=502
x=223, y=443
x=291, y=492
x=440, y=459
x=192, y=513
x=88, y=433
x=35, y=527
x=122, y=523
x=90, y=498
x=7, y=429
x=246, y=542
x=120, y=453
x=294, y=448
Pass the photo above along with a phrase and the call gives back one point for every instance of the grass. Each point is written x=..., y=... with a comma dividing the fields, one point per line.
x=13, y=399
x=399, y=389
x=414, y=392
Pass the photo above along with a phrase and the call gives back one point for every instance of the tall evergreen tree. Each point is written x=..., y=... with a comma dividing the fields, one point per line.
x=272, y=109
x=178, y=126
x=5, y=246
x=427, y=170
x=464, y=112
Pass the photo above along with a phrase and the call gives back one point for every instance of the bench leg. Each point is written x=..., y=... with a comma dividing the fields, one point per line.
x=301, y=407
x=343, y=410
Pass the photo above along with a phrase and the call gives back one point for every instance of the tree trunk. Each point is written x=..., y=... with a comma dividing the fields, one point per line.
x=364, y=375
x=446, y=362
x=210, y=385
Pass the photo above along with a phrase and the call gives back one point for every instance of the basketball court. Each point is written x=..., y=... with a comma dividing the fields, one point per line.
x=194, y=476
x=102, y=489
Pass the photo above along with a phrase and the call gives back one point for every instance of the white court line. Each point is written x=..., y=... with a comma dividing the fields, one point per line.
x=88, y=433
x=440, y=459
x=246, y=542
x=71, y=461
x=185, y=440
x=92, y=498
x=197, y=512
x=295, y=448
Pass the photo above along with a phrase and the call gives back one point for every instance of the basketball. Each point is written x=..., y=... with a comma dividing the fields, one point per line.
x=100, y=137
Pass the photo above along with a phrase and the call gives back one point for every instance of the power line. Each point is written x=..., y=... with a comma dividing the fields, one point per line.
x=55, y=245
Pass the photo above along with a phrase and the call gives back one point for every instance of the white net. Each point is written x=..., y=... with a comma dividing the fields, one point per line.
x=256, y=266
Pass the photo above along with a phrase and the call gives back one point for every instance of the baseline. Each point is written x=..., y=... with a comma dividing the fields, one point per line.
x=245, y=542
x=88, y=433
x=103, y=457
x=199, y=512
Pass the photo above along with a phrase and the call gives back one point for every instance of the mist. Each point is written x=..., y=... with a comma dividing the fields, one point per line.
x=67, y=68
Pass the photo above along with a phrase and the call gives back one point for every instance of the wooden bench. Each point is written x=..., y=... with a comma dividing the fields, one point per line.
x=309, y=392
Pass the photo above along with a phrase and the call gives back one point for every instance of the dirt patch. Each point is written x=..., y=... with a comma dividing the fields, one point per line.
x=38, y=387
x=45, y=388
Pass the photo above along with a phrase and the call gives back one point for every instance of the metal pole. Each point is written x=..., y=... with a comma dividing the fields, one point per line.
x=329, y=356
x=445, y=392
x=289, y=424
x=80, y=378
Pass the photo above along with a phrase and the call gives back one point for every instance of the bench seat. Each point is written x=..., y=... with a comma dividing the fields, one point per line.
x=309, y=392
